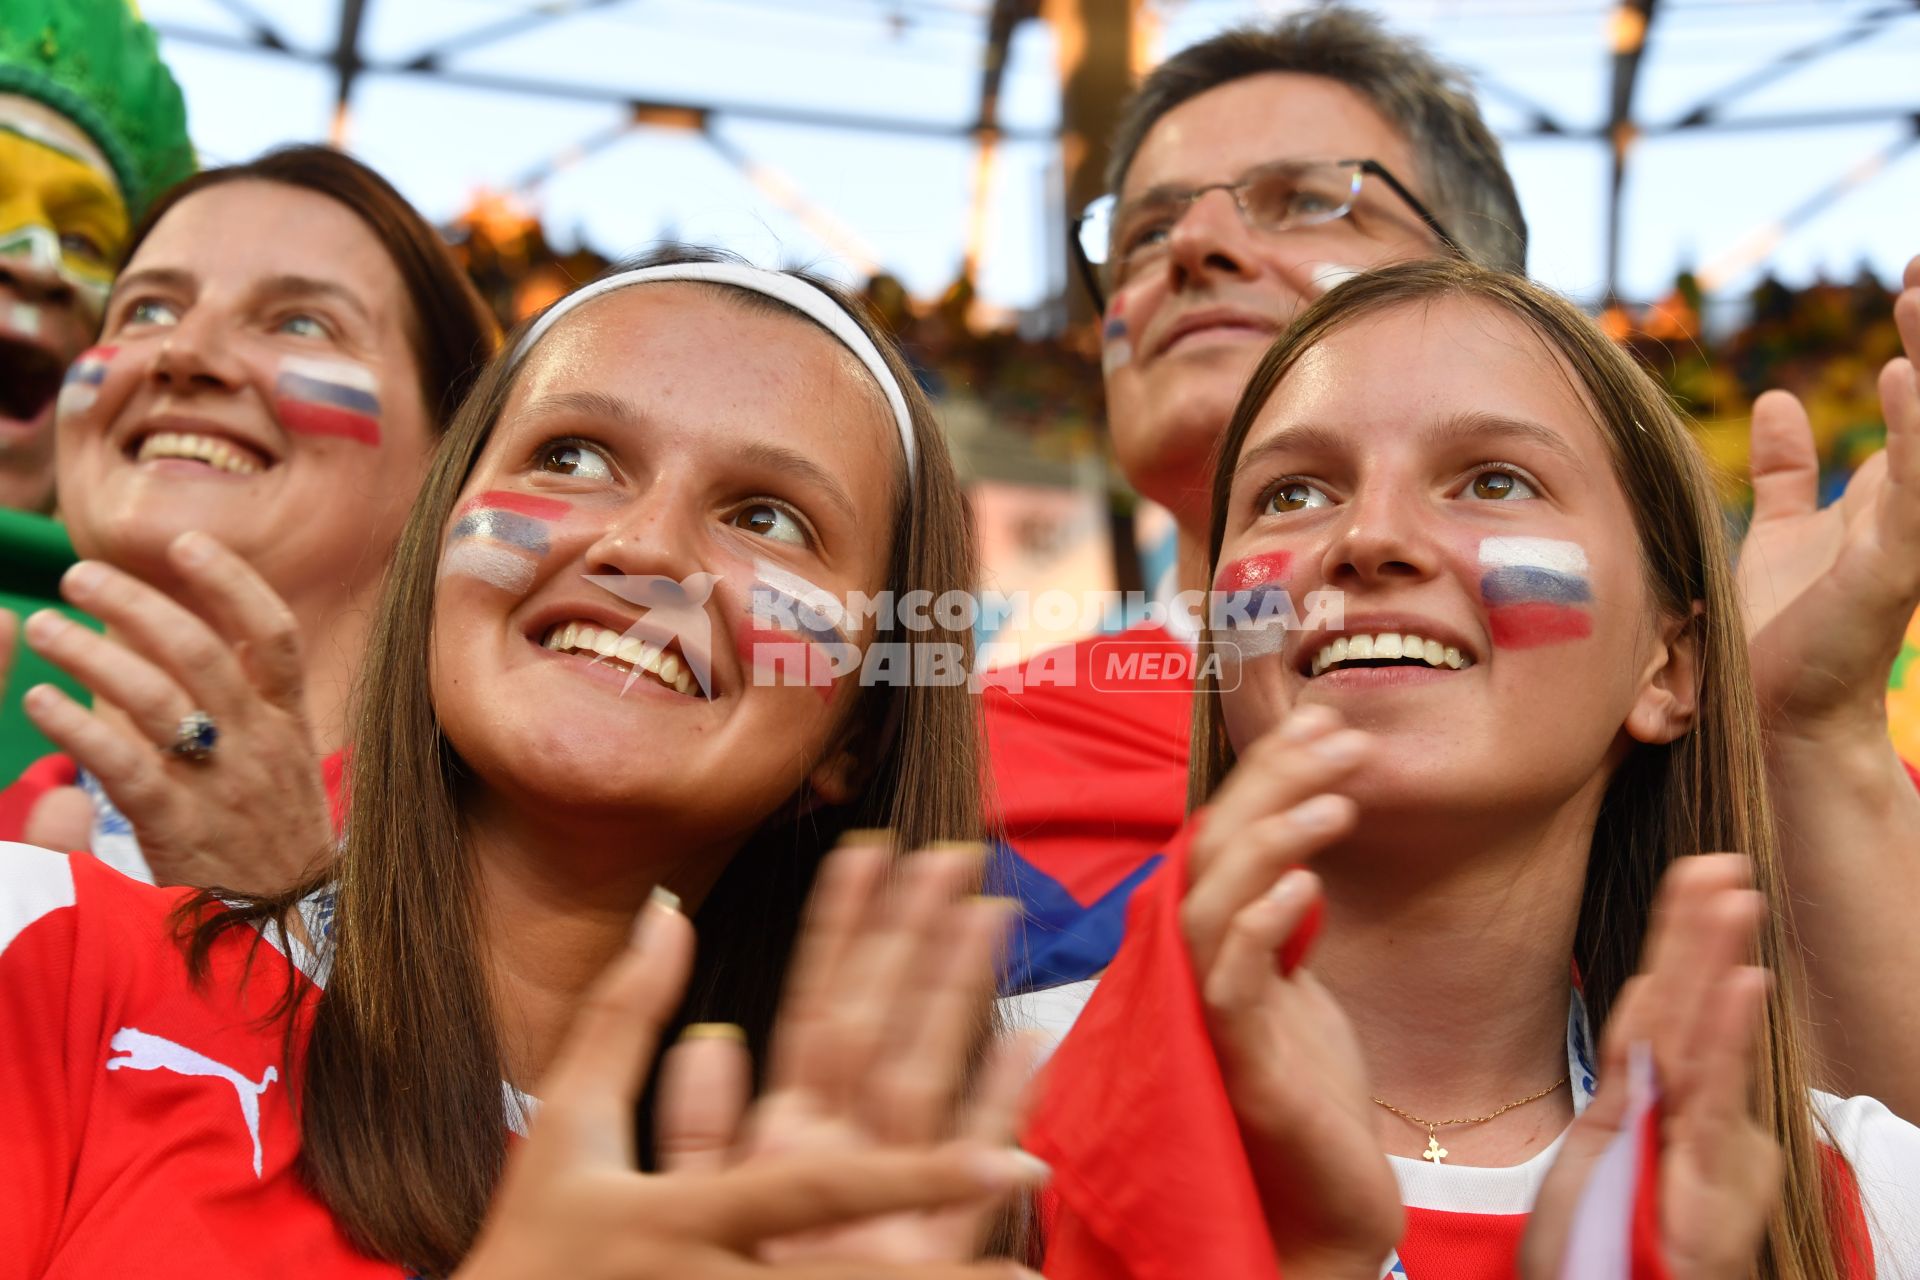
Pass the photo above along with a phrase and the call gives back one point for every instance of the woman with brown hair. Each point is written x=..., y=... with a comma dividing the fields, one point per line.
x=580, y=694
x=286, y=343
x=1547, y=711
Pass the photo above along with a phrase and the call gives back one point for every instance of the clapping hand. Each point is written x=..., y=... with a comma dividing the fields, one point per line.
x=851, y=1168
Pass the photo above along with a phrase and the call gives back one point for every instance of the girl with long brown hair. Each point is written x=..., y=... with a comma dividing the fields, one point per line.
x=1530, y=709
x=285, y=345
x=581, y=695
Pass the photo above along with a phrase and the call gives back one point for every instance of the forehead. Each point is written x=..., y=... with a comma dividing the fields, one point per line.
x=1276, y=115
x=35, y=120
x=1398, y=371
x=246, y=230
x=691, y=355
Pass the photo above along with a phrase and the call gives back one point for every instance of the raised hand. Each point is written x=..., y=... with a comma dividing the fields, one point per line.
x=1697, y=1005
x=1287, y=1053
x=573, y=1204
x=1828, y=591
x=254, y=815
x=887, y=1000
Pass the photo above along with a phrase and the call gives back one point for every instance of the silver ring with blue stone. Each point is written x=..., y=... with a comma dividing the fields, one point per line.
x=195, y=736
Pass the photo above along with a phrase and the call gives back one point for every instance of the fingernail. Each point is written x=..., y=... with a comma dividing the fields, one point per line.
x=660, y=899
x=972, y=848
x=1342, y=748
x=714, y=1031
x=84, y=577
x=1010, y=1165
x=193, y=548
x=865, y=836
x=1322, y=813
x=1307, y=724
x=45, y=625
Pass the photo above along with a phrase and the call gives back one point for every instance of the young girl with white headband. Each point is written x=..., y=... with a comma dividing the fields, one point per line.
x=581, y=707
x=1504, y=762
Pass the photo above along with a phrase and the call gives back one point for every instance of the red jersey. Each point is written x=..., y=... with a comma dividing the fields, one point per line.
x=152, y=1130
x=1151, y=1181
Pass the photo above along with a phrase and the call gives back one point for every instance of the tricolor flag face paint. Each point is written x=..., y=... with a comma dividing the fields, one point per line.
x=793, y=625
x=1116, y=349
x=81, y=386
x=501, y=538
x=1536, y=591
x=328, y=398
x=1257, y=606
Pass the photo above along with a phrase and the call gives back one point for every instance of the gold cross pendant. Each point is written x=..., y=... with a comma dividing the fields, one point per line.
x=1434, y=1152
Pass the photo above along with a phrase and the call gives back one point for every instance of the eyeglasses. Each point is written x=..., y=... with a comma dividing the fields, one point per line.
x=1114, y=240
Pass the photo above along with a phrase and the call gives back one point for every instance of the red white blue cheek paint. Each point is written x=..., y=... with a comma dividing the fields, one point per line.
x=792, y=633
x=81, y=387
x=317, y=397
x=500, y=538
x=1536, y=591
x=1251, y=600
x=1116, y=338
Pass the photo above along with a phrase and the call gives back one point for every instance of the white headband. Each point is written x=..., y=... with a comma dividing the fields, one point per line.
x=792, y=290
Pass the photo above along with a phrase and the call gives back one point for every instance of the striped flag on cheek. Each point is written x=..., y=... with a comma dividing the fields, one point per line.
x=317, y=397
x=81, y=387
x=1536, y=591
x=501, y=538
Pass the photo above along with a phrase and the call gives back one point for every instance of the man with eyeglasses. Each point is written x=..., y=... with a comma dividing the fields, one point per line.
x=1250, y=173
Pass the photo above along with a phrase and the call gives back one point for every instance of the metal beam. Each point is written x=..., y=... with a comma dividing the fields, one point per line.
x=573, y=91
x=346, y=63
x=1869, y=24
x=1632, y=21
x=430, y=58
x=265, y=34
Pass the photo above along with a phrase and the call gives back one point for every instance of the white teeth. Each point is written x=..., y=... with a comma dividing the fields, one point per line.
x=216, y=453
x=585, y=637
x=1389, y=645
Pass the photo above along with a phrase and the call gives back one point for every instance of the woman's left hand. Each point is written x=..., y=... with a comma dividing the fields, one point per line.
x=1828, y=591
x=253, y=816
x=1697, y=1004
x=887, y=998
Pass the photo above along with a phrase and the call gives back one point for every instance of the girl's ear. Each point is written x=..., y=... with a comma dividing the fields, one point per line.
x=1669, y=694
x=835, y=780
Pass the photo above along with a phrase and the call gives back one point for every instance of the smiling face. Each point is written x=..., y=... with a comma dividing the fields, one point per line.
x=674, y=477
x=1435, y=463
x=63, y=224
x=253, y=379
x=1184, y=334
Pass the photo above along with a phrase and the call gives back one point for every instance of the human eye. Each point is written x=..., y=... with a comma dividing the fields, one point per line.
x=772, y=521
x=575, y=458
x=1143, y=228
x=304, y=324
x=154, y=311
x=1293, y=495
x=83, y=247
x=1498, y=482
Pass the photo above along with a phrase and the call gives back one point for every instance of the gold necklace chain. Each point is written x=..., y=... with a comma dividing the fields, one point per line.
x=1435, y=1152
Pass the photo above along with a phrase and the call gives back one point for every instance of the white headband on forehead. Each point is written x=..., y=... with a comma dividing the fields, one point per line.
x=792, y=290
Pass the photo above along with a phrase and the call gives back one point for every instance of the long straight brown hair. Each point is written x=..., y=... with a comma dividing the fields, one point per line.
x=1706, y=791
x=402, y=1129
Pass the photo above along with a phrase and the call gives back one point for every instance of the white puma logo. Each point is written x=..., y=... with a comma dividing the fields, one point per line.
x=151, y=1053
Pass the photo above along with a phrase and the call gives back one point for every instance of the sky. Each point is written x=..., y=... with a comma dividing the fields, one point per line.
x=902, y=200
